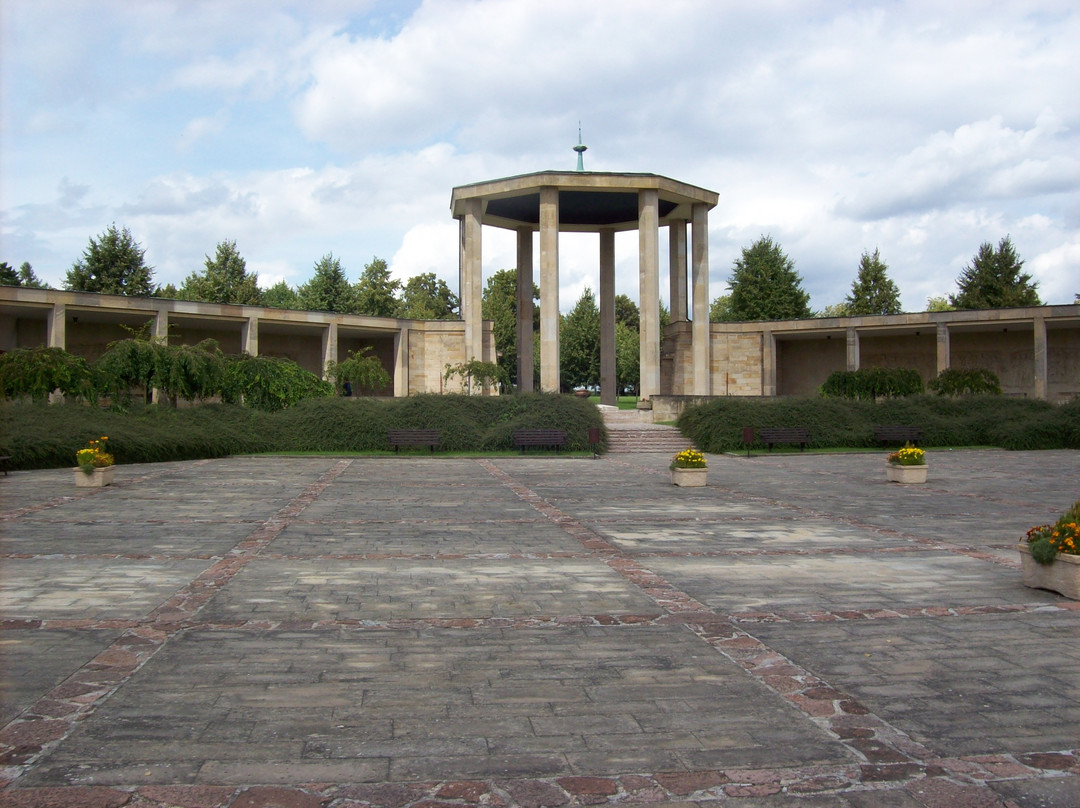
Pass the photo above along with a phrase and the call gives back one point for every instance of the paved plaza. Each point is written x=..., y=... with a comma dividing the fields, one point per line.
x=536, y=631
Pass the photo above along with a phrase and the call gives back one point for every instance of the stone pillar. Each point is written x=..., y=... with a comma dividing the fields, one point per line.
x=649, y=289
x=608, y=386
x=1041, y=367
x=700, y=331
x=549, y=289
x=472, y=280
x=56, y=326
x=768, y=363
x=525, y=310
x=677, y=269
x=329, y=345
x=944, y=352
x=401, y=363
x=249, y=336
x=852, y=349
x=160, y=333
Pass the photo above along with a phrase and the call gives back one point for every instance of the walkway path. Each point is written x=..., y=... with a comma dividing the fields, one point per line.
x=537, y=632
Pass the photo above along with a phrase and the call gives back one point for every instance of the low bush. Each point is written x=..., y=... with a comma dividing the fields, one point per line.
x=965, y=382
x=48, y=436
x=972, y=421
x=873, y=383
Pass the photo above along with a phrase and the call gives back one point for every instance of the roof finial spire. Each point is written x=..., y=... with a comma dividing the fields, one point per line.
x=580, y=149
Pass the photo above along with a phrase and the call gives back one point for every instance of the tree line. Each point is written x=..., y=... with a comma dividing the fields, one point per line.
x=763, y=285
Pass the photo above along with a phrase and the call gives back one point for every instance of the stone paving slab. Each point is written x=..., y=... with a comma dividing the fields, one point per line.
x=985, y=684
x=728, y=533
x=842, y=582
x=301, y=589
x=34, y=662
x=536, y=631
x=411, y=536
x=426, y=704
x=89, y=588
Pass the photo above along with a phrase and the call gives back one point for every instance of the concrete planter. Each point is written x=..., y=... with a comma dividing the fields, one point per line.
x=906, y=474
x=689, y=478
x=1061, y=576
x=98, y=478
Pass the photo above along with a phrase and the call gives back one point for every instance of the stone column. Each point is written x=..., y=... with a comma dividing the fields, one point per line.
x=852, y=349
x=1041, y=366
x=525, y=310
x=160, y=332
x=329, y=345
x=944, y=352
x=549, y=289
x=700, y=329
x=401, y=363
x=472, y=280
x=677, y=269
x=649, y=289
x=768, y=363
x=608, y=385
x=249, y=336
x=56, y=326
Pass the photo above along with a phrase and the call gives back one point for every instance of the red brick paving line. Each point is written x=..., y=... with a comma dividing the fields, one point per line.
x=52, y=717
x=89, y=492
x=890, y=753
x=932, y=786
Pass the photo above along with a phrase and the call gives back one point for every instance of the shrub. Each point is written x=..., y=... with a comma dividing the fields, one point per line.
x=965, y=382
x=835, y=422
x=47, y=436
x=268, y=383
x=37, y=372
x=873, y=383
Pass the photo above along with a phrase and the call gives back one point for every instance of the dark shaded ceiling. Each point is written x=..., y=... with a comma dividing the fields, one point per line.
x=595, y=208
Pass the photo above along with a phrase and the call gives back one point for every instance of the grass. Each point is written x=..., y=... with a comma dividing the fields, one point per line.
x=623, y=402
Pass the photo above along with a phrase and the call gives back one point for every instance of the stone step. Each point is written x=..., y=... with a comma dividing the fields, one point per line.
x=652, y=439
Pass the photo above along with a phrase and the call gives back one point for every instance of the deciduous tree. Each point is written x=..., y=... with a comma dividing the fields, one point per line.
x=281, y=296
x=426, y=297
x=579, y=343
x=499, y=304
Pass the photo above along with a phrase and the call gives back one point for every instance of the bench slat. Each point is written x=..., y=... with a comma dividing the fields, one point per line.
x=539, y=437
x=414, y=437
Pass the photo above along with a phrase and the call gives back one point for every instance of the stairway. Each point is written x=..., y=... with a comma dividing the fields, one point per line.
x=633, y=431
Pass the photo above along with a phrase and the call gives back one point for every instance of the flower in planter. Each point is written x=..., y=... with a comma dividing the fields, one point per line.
x=689, y=459
x=1046, y=541
x=94, y=456
x=908, y=456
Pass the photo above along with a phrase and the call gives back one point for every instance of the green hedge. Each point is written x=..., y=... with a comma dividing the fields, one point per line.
x=974, y=421
x=47, y=436
x=873, y=383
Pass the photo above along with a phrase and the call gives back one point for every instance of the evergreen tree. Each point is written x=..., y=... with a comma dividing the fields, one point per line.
x=579, y=343
x=627, y=359
x=872, y=291
x=376, y=291
x=994, y=280
x=426, y=297
x=328, y=289
x=765, y=286
x=8, y=276
x=27, y=278
x=112, y=265
x=281, y=296
x=169, y=292
x=225, y=279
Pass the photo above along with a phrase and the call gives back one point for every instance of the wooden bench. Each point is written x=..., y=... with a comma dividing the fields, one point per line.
x=897, y=434
x=539, y=437
x=5, y=461
x=771, y=435
x=414, y=437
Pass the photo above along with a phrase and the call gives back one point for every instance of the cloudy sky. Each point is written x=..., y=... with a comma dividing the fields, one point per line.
x=302, y=128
